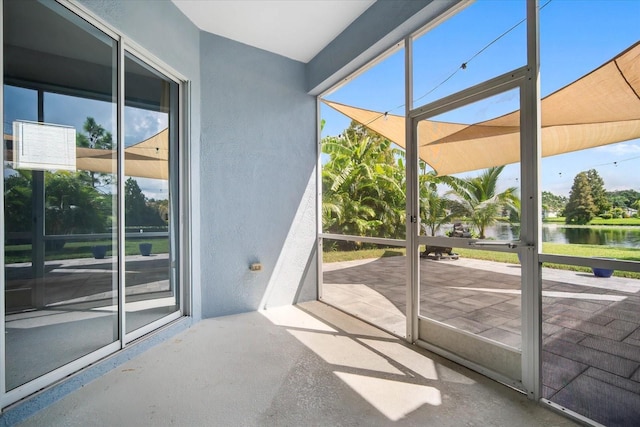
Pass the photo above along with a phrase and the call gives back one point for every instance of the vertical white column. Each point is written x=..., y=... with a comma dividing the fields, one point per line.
x=530, y=149
x=412, y=214
x=120, y=171
x=318, y=199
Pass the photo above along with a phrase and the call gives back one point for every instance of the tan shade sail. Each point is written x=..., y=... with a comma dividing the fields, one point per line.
x=601, y=108
x=146, y=159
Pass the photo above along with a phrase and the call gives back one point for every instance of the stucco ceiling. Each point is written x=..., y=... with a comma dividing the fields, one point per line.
x=295, y=29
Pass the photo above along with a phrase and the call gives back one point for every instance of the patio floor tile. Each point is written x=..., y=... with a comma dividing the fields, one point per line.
x=614, y=407
x=599, y=359
x=560, y=371
x=630, y=385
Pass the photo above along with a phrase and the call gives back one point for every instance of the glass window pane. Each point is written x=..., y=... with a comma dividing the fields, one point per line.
x=60, y=269
x=150, y=133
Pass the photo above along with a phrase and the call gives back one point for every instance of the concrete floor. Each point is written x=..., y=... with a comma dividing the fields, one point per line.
x=302, y=365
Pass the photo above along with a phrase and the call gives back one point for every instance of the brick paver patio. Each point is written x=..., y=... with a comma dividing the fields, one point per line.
x=591, y=326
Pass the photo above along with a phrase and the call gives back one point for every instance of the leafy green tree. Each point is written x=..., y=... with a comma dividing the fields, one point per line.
x=18, y=202
x=553, y=202
x=99, y=138
x=478, y=199
x=617, y=213
x=435, y=210
x=161, y=206
x=363, y=185
x=580, y=209
x=137, y=211
x=623, y=198
x=72, y=206
x=636, y=205
x=598, y=192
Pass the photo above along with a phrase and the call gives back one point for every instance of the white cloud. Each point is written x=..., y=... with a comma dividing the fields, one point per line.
x=153, y=188
x=621, y=149
x=142, y=124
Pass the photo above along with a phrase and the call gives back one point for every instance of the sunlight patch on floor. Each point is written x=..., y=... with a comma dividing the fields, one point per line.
x=411, y=359
x=344, y=351
x=292, y=317
x=394, y=399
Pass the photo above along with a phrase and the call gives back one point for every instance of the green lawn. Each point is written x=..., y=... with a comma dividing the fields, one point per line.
x=22, y=253
x=599, y=221
x=629, y=254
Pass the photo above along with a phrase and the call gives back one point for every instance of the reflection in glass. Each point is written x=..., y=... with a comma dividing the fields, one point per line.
x=60, y=291
x=150, y=129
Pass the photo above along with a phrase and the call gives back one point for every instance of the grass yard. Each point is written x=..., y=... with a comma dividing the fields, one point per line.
x=620, y=222
x=22, y=253
x=627, y=254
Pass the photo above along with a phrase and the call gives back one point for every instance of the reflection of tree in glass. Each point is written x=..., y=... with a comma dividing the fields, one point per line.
x=73, y=206
x=17, y=202
x=99, y=138
x=138, y=210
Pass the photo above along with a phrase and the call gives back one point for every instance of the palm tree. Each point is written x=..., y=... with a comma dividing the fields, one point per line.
x=477, y=198
x=362, y=185
x=435, y=210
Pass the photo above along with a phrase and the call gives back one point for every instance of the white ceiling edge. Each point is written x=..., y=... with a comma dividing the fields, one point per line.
x=295, y=29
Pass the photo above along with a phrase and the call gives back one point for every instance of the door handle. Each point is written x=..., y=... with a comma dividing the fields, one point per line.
x=510, y=245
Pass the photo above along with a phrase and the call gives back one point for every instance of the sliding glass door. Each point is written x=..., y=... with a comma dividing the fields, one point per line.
x=91, y=191
x=151, y=124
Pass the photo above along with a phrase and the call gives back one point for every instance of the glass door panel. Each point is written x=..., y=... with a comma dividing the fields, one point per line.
x=469, y=208
x=59, y=161
x=150, y=118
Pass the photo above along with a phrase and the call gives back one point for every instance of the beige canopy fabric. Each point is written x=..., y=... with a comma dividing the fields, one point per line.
x=146, y=159
x=603, y=107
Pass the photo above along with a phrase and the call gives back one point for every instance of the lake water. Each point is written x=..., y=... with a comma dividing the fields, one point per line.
x=557, y=233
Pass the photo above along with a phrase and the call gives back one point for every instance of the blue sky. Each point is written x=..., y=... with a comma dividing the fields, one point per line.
x=576, y=37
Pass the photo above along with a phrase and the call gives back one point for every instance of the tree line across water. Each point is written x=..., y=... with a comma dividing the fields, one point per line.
x=364, y=193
